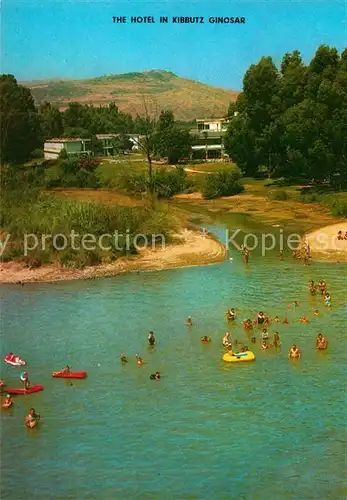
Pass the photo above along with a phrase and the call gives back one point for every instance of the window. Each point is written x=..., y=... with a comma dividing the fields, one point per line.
x=203, y=126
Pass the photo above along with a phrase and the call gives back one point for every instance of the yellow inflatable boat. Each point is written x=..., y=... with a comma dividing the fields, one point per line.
x=231, y=357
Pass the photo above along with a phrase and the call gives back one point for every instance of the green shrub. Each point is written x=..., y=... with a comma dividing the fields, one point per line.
x=225, y=182
x=339, y=208
x=279, y=195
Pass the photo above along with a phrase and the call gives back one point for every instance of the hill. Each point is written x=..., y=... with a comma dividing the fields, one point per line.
x=130, y=91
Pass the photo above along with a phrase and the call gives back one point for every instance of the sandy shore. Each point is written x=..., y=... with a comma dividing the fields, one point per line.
x=324, y=244
x=193, y=249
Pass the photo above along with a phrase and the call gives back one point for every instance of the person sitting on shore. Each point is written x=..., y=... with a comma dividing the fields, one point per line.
x=248, y=324
x=294, y=352
x=31, y=420
x=139, y=360
x=304, y=319
x=321, y=342
x=227, y=340
x=345, y=236
x=189, y=321
x=8, y=401
x=123, y=358
x=151, y=338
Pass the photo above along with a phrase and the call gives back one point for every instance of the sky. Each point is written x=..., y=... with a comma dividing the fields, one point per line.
x=77, y=38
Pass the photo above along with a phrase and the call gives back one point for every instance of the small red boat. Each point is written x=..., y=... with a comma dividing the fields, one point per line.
x=14, y=360
x=69, y=374
x=31, y=390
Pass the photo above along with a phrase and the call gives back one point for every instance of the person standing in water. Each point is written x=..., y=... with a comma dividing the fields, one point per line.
x=189, y=321
x=294, y=352
x=151, y=338
x=8, y=402
x=321, y=342
x=32, y=419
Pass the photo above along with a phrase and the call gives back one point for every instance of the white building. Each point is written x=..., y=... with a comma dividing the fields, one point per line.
x=72, y=146
x=208, y=137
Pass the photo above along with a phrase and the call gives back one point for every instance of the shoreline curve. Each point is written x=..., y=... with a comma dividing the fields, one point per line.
x=193, y=249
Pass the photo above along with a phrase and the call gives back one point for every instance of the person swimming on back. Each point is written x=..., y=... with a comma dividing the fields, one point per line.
x=123, y=358
x=294, y=352
x=151, y=338
x=321, y=342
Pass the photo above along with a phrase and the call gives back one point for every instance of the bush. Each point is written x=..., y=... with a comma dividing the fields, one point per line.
x=73, y=172
x=339, y=208
x=225, y=182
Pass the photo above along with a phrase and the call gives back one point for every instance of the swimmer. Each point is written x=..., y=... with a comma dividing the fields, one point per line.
x=248, y=324
x=281, y=255
x=294, y=352
x=231, y=314
x=8, y=401
x=327, y=299
x=189, y=321
x=316, y=312
x=151, y=338
x=139, y=360
x=277, y=340
x=264, y=334
x=321, y=342
x=322, y=287
x=261, y=318
x=304, y=319
x=312, y=288
x=244, y=348
x=205, y=339
x=155, y=376
x=276, y=319
x=32, y=419
x=123, y=358
x=295, y=303
x=253, y=340
x=285, y=321
x=264, y=345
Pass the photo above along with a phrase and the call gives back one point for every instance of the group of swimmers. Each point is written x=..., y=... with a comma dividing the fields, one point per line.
x=139, y=360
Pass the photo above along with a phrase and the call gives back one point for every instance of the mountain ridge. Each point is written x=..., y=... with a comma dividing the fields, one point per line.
x=135, y=91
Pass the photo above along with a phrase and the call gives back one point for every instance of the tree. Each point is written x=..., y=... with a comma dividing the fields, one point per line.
x=20, y=127
x=171, y=140
x=51, y=121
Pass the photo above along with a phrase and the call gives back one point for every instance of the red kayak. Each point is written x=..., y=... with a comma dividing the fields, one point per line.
x=33, y=388
x=69, y=375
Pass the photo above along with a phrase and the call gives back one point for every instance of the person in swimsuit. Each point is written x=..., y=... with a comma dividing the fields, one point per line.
x=294, y=352
x=304, y=319
x=253, y=340
x=189, y=321
x=276, y=341
x=281, y=255
x=322, y=287
x=151, y=338
x=123, y=358
x=264, y=345
x=66, y=369
x=321, y=342
x=312, y=288
x=248, y=324
x=327, y=299
x=139, y=360
x=155, y=376
x=285, y=321
x=261, y=318
x=227, y=340
x=264, y=334
x=316, y=312
x=8, y=401
x=31, y=420
x=276, y=319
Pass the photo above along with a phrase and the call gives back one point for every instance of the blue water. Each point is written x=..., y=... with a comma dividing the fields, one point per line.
x=272, y=429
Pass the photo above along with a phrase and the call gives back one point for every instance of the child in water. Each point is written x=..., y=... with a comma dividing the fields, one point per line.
x=189, y=321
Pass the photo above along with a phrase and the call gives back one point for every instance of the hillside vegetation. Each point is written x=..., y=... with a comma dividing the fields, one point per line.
x=189, y=99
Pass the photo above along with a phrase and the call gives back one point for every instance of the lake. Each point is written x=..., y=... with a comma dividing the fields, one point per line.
x=271, y=429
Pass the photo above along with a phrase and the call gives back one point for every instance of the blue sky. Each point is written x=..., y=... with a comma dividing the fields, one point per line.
x=77, y=39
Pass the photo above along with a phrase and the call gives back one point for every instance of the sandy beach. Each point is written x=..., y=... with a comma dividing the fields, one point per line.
x=192, y=249
x=324, y=244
